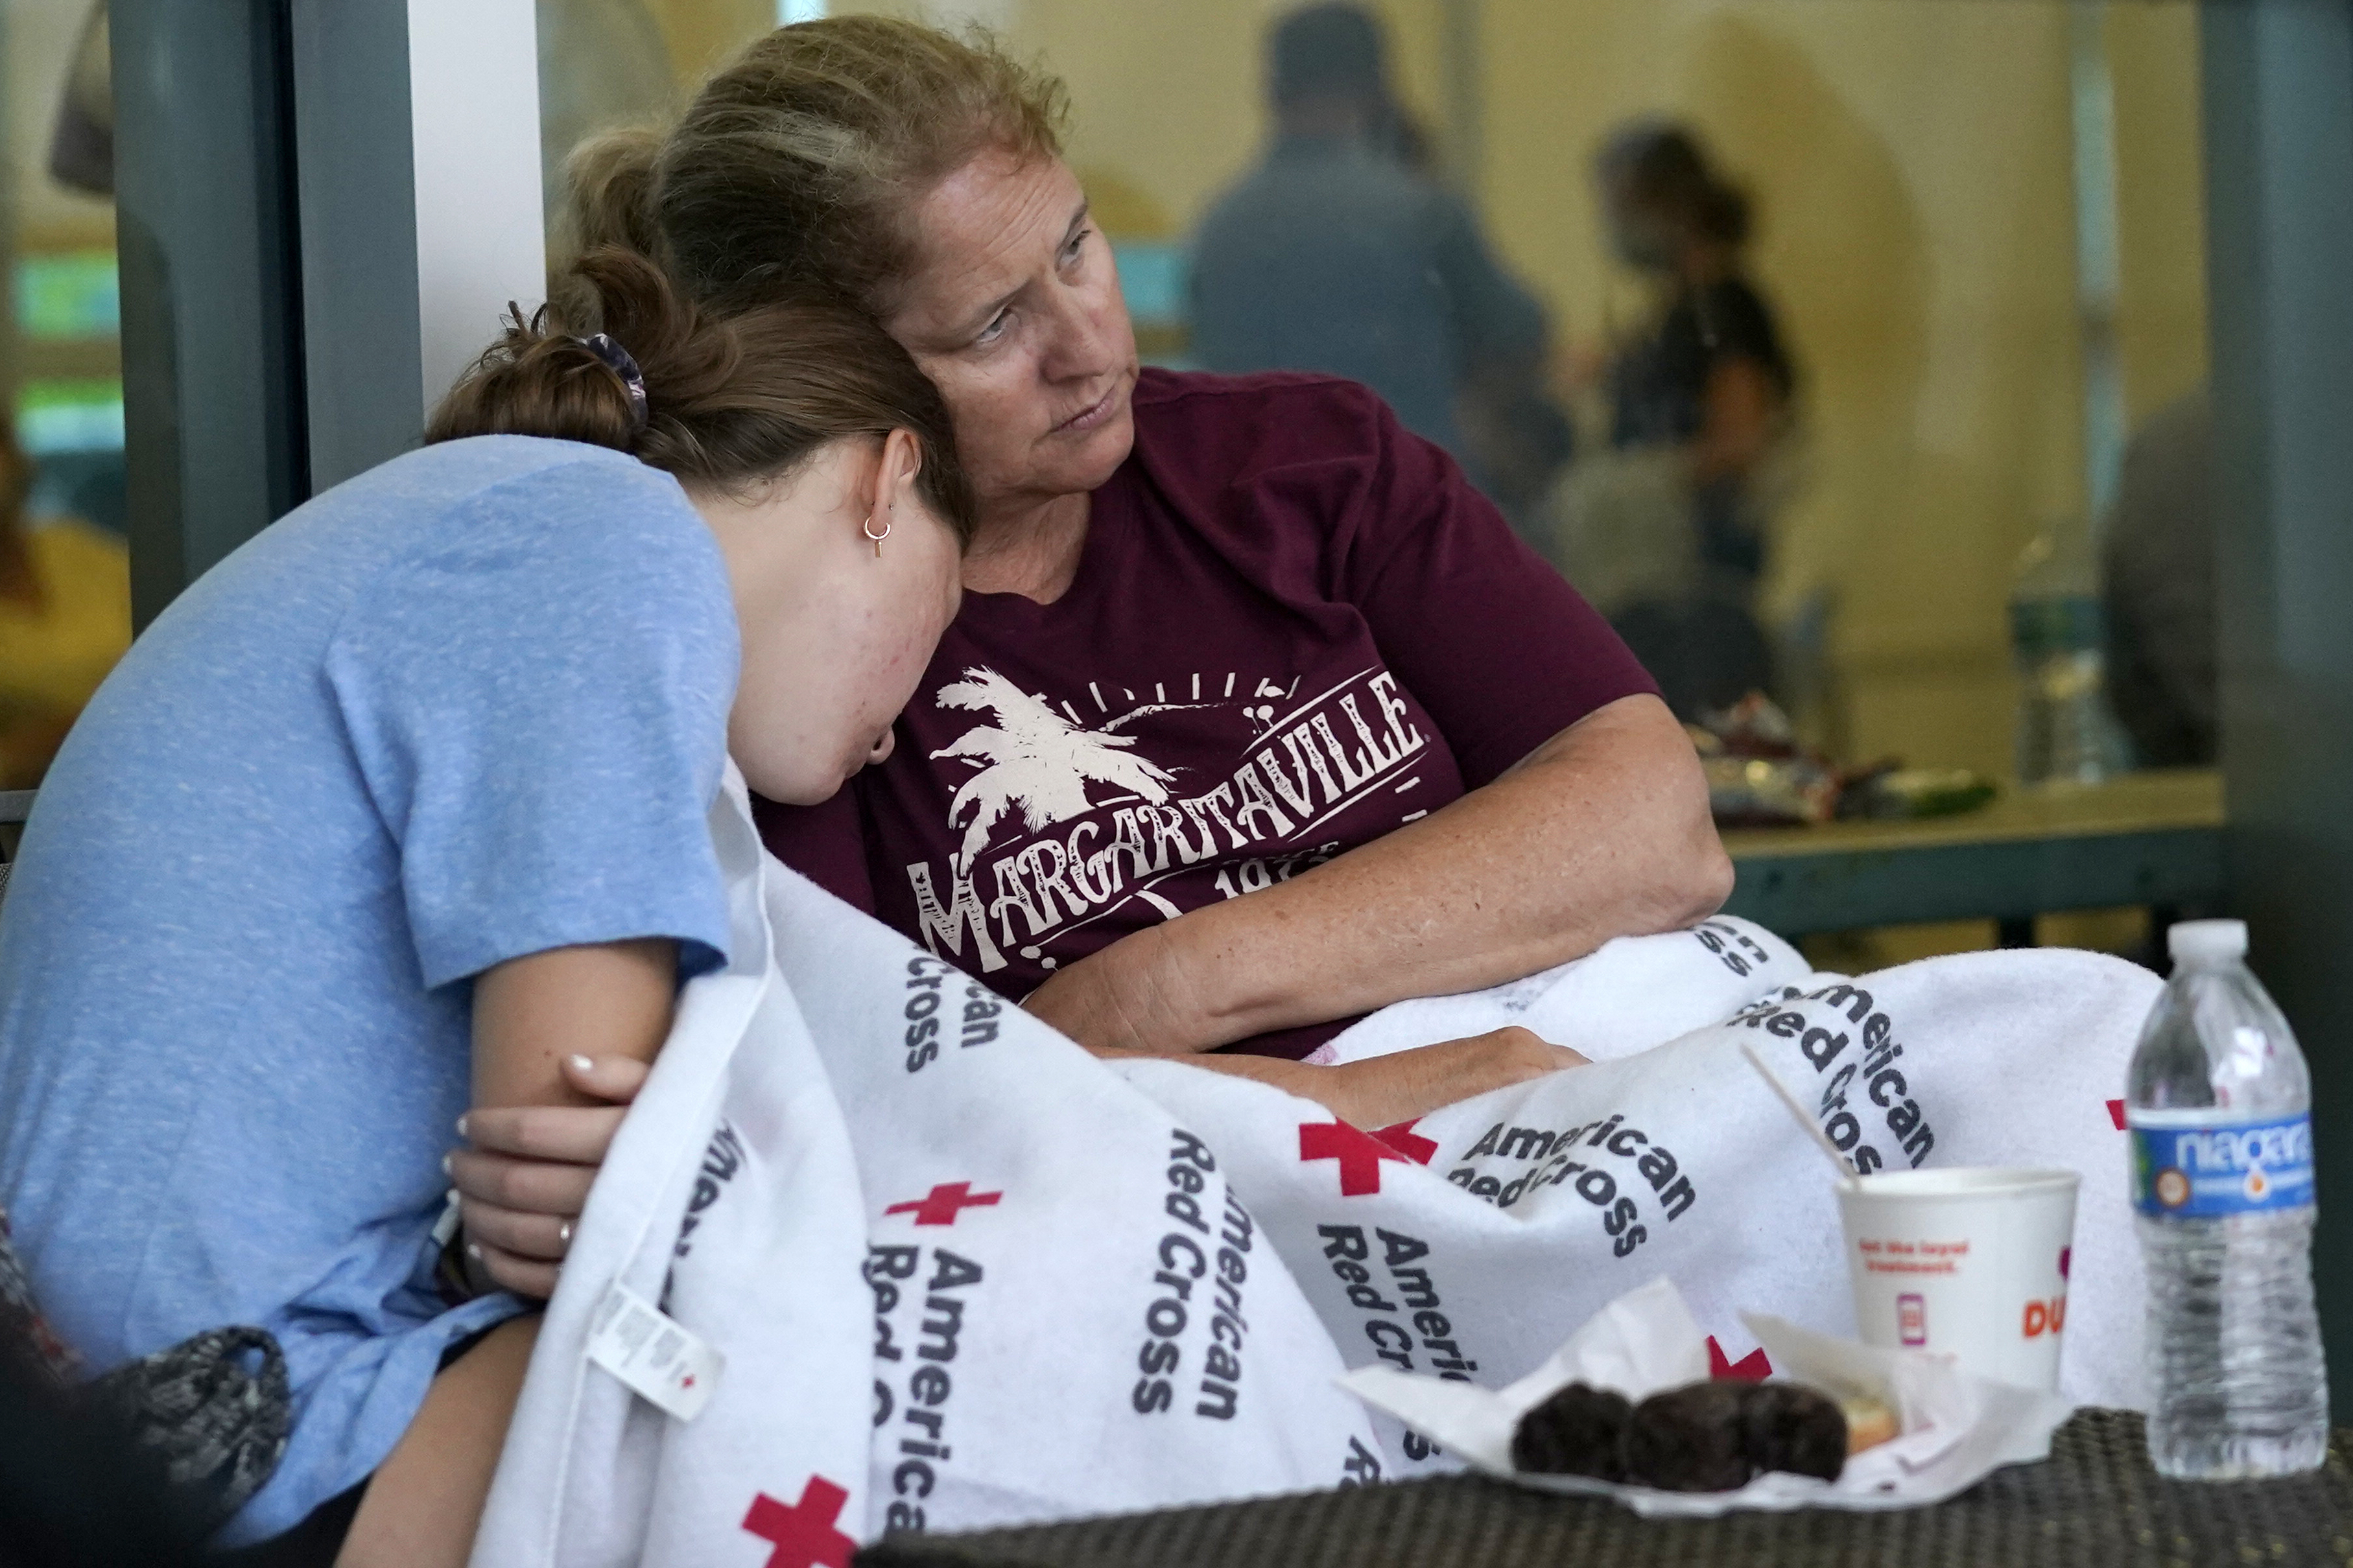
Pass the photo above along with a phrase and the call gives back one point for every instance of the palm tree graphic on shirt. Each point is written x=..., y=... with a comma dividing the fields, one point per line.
x=1033, y=759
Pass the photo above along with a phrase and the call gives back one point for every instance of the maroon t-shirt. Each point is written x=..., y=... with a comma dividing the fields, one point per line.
x=1294, y=627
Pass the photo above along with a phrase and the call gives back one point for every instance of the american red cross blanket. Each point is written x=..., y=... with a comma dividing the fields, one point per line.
x=952, y=1272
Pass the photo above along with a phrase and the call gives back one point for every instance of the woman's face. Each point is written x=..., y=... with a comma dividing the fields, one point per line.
x=1015, y=312
x=1641, y=236
x=836, y=628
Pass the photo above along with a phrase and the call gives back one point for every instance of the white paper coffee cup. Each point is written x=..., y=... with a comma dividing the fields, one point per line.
x=1969, y=1262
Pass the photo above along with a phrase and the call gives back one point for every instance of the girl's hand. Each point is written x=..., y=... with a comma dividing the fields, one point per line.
x=1403, y=1085
x=523, y=1182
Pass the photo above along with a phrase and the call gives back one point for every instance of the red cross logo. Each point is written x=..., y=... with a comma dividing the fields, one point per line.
x=1360, y=1155
x=943, y=1203
x=803, y=1535
x=1406, y=1142
x=1750, y=1368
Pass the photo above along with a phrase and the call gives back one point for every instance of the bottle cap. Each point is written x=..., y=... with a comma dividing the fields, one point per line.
x=2207, y=942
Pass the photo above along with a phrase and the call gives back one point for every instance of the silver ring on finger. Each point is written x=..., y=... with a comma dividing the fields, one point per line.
x=564, y=1235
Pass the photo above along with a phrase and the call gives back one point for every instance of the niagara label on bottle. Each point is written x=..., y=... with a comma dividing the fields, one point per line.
x=2187, y=1165
x=2219, y=1105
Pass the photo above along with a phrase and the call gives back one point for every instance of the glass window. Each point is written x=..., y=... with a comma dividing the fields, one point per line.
x=1848, y=351
x=64, y=578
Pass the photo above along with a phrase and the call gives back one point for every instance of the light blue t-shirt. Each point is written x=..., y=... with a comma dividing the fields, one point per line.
x=469, y=706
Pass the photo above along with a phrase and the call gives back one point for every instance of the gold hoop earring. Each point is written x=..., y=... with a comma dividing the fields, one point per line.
x=867, y=528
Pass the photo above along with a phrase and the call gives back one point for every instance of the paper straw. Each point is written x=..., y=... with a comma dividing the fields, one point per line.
x=1822, y=1140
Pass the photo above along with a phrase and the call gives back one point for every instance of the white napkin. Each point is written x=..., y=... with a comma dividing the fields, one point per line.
x=1956, y=1428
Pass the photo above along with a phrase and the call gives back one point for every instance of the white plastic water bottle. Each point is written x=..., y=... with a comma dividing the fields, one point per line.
x=2065, y=733
x=2220, y=1107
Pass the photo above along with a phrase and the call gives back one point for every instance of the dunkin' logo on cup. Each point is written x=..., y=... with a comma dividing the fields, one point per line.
x=1912, y=1319
x=2050, y=1317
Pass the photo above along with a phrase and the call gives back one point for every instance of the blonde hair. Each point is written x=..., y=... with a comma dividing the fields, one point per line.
x=795, y=168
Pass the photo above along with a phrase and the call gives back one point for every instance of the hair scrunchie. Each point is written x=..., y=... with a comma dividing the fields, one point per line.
x=619, y=361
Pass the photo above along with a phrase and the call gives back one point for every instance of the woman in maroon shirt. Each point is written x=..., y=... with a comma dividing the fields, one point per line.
x=1219, y=636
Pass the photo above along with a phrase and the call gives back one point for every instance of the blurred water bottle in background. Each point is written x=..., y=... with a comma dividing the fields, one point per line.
x=2220, y=1107
x=2057, y=626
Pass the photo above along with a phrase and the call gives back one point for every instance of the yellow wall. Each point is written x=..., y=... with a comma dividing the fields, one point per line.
x=701, y=34
x=1913, y=171
x=2161, y=203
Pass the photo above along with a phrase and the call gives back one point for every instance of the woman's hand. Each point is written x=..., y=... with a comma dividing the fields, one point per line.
x=523, y=1182
x=1405, y=1084
x=1124, y=997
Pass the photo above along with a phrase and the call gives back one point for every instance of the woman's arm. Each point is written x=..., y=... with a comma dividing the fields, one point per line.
x=1603, y=831
x=608, y=1005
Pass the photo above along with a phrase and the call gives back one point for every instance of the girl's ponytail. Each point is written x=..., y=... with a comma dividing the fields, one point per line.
x=536, y=381
x=619, y=358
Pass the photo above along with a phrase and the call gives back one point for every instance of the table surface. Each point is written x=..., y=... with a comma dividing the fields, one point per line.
x=2153, y=838
x=2094, y=1503
x=2170, y=799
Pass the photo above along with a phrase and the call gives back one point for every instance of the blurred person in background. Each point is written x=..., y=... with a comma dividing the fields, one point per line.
x=65, y=618
x=1338, y=253
x=81, y=143
x=1666, y=533
x=2158, y=572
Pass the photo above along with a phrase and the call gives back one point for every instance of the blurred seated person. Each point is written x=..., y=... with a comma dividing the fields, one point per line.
x=1665, y=534
x=2159, y=585
x=82, y=142
x=65, y=618
x=1339, y=254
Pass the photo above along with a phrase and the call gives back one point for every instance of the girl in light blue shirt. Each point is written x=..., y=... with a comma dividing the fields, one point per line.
x=400, y=809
